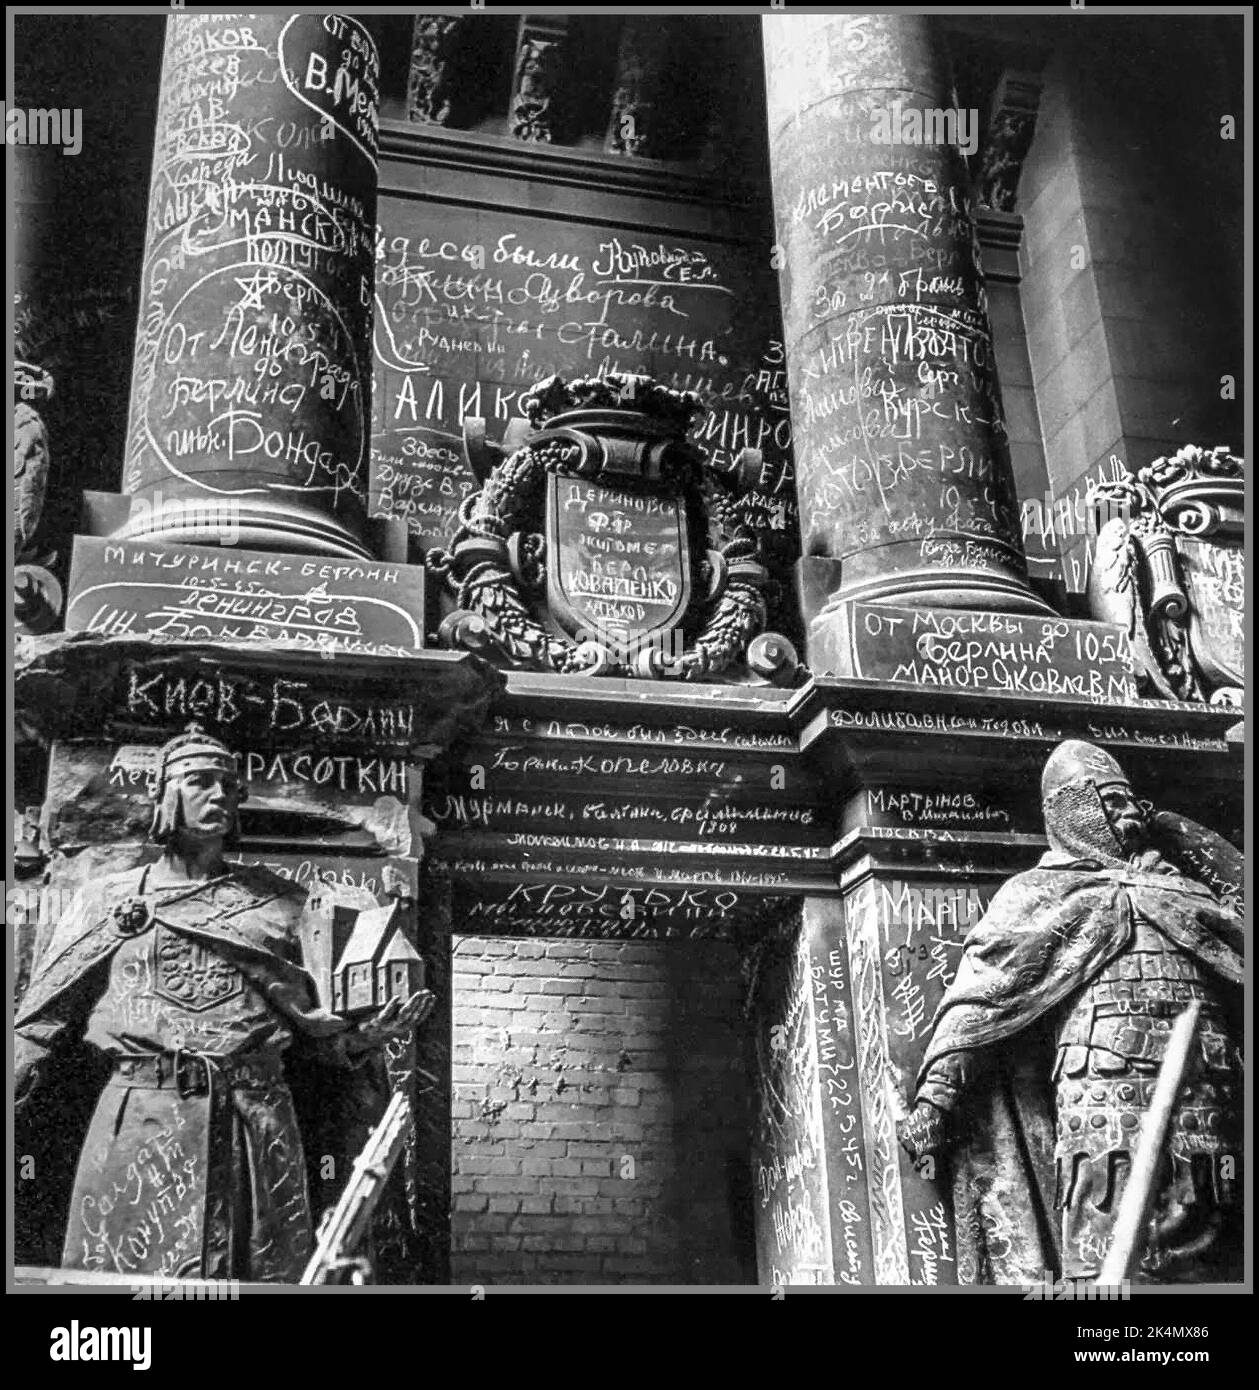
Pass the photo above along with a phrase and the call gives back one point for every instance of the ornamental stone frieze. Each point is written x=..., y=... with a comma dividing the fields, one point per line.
x=434, y=85
x=537, y=101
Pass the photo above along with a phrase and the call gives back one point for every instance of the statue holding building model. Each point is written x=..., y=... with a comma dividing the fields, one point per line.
x=193, y=978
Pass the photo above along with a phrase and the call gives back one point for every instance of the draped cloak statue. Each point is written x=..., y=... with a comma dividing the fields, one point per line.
x=1046, y=1047
x=193, y=1164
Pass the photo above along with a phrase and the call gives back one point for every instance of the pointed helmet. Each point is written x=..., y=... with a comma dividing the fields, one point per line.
x=194, y=750
x=1076, y=822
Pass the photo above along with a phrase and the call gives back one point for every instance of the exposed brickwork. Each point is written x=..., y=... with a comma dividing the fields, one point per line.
x=600, y=1130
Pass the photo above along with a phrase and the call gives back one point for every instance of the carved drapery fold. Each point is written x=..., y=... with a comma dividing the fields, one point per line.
x=37, y=597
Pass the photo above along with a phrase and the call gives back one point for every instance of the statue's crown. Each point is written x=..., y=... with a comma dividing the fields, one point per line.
x=194, y=750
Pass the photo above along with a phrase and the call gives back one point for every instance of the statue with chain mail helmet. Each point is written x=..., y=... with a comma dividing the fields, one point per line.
x=187, y=975
x=1047, y=1044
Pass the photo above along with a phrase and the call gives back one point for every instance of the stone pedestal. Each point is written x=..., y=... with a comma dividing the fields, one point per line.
x=906, y=491
x=252, y=376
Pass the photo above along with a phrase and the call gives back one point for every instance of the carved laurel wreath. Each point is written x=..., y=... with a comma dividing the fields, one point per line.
x=497, y=555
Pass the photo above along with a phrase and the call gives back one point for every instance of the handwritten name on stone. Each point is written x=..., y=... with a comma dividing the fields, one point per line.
x=189, y=593
x=1007, y=652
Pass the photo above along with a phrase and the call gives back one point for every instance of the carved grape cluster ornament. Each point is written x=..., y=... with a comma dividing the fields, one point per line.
x=602, y=542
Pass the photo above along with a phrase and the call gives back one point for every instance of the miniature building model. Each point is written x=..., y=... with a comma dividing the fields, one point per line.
x=360, y=957
x=326, y=930
x=377, y=964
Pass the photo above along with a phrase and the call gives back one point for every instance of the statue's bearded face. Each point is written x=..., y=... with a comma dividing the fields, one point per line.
x=209, y=799
x=1124, y=814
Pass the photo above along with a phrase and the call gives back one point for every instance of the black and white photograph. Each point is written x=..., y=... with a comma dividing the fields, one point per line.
x=628, y=659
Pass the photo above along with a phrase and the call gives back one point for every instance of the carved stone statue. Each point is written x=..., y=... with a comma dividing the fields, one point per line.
x=1011, y=125
x=1172, y=570
x=187, y=975
x=31, y=459
x=36, y=591
x=636, y=123
x=432, y=86
x=1047, y=1044
x=533, y=109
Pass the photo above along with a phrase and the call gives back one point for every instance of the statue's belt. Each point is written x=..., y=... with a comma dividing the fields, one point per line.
x=197, y=1073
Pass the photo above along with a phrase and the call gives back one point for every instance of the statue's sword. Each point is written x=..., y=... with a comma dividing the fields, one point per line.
x=1125, y=1245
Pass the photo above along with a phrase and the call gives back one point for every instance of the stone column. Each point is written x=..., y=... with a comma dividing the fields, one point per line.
x=906, y=491
x=252, y=376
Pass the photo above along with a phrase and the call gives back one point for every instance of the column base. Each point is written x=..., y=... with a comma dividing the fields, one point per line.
x=824, y=584
x=241, y=522
x=975, y=650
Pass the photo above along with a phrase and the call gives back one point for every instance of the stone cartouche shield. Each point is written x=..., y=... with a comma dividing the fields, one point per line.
x=618, y=562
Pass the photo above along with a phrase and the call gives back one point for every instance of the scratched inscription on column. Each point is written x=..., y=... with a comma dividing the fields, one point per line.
x=899, y=370
x=920, y=933
x=792, y=1217
x=840, y=1101
x=887, y=1214
x=252, y=351
x=900, y=437
x=189, y=593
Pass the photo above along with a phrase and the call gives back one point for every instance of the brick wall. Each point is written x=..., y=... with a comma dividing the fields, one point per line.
x=601, y=1127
